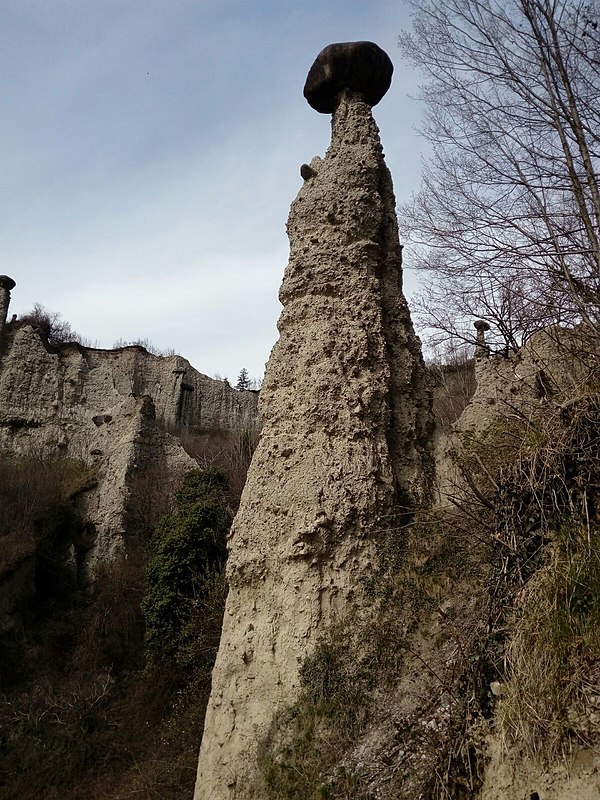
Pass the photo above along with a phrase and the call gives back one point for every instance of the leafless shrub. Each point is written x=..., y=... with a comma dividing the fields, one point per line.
x=230, y=451
x=454, y=384
x=52, y=326
x=30, y=486
x=147, y=345
x=152, y=494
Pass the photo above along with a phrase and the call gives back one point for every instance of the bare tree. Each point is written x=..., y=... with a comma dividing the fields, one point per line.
x=515, y=305
x=508, y=218
x=50, y=324
x=452, y=369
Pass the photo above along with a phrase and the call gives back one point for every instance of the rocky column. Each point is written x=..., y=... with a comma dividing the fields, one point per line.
x=346, y=422
x=481, y=348
x=6, y=286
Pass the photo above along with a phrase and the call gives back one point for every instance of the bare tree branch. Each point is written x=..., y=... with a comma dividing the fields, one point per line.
x=507, y=222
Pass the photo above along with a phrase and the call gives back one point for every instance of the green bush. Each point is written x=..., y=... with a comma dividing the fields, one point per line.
x=190, y=554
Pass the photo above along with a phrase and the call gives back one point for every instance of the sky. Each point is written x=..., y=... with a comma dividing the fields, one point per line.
x=151, y=149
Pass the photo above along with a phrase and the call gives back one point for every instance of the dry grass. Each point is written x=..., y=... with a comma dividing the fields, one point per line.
x=539, y=500
x=554, y=648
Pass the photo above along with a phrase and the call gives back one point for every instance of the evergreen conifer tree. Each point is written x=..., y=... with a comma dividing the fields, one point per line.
x=243, y=380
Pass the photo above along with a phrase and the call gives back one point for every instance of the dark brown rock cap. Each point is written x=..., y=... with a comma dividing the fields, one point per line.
x=359, y=66
x=7, y=283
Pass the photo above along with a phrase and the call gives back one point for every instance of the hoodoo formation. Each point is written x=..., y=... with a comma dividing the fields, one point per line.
x=346, y=427
x=6, y=286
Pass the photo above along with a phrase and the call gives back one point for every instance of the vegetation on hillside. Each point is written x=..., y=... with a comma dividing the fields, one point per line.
x=146, y=344
x=185, y=573
x=36, y=509
x=545, y=513
x=483, y=617
x=104, y=688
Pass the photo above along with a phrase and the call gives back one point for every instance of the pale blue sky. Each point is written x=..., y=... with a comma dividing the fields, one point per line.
x=150, y=151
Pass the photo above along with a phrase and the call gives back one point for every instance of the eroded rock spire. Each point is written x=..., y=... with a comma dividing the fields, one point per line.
x=346, y=424
x=6, y=286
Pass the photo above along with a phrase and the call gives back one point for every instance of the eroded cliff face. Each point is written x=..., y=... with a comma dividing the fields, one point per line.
x=343, y=452
x=553, y=368
x=111, y=409
x=69, y=380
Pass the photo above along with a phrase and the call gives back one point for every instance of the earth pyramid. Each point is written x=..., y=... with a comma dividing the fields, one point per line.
x=345, y=446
